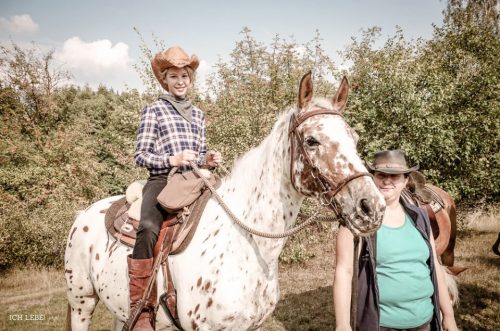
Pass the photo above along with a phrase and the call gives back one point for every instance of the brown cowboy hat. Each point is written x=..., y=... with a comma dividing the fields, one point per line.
x=172, y=57
x=390, y=162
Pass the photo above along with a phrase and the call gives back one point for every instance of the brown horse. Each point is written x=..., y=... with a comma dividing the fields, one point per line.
x=442, y=212
x=444, y=228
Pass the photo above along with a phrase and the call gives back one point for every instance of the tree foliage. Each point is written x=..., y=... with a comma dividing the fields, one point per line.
x=437, y=99
x=257, y=84
x=64, y=147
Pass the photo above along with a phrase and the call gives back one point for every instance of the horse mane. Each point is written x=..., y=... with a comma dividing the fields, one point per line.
x=281, y=124
x=258, y=154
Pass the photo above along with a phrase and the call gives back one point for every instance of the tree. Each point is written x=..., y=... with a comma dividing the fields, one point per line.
x=256, y=84
x=30, y=74
x=437, y=99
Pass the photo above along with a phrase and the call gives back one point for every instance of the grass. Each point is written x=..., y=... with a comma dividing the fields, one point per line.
x=306, y=287
x=32, y=293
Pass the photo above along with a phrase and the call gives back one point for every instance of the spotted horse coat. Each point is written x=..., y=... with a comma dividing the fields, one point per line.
x=227, y=278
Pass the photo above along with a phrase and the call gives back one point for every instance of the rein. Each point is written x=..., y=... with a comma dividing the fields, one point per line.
x=330, y=188
x=354, y=285
x=243, y=225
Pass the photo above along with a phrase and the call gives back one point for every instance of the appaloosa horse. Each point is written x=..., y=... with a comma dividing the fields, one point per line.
x=227, y=278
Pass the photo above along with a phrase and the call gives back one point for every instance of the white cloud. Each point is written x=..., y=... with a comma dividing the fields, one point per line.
x=96, y=62
x=94, y=56
x=19, y=24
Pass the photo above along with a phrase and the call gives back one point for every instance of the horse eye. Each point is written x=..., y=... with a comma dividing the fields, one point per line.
x=311, y=142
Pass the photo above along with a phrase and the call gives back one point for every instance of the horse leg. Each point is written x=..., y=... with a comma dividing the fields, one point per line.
x=117, y=324
x=496, y=245
x=82, y=297
x=68, y=318
x=82, y=304
x=444, y=226
x=448, y=256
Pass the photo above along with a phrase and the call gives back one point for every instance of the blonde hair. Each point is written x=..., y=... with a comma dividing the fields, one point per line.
x=191, y=73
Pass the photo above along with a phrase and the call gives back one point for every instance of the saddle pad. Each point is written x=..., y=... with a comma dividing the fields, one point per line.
x=124, y=228
x=119, y=225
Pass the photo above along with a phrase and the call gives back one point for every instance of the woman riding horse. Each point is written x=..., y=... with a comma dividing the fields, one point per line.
x=171, y=134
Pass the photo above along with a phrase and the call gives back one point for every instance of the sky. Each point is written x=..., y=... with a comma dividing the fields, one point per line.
x=95, y=40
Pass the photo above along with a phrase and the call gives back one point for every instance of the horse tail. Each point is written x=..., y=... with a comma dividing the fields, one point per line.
x=68, y=318
x=451, y=283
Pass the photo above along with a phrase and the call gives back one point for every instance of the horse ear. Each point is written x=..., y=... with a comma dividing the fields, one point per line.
x=305, y=90
x=340, y=97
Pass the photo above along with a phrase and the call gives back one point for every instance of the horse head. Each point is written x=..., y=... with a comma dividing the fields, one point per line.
x=324, y=161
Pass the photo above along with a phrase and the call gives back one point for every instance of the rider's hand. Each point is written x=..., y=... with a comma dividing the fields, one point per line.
x=213, y=159
x=183, y=158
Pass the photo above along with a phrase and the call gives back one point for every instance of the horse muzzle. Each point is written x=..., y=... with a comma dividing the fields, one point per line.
x=362, y=210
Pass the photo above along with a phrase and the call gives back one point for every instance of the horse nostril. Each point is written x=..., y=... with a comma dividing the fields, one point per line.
x=365, y=207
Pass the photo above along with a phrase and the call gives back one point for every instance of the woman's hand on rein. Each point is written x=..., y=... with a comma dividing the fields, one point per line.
x=214, y=158
x=182, y=158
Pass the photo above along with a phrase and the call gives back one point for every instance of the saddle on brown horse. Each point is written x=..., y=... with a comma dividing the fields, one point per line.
x=175, y=235
x=418, y=193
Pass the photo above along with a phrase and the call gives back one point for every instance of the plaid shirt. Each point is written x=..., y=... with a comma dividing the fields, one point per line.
x=163, y=132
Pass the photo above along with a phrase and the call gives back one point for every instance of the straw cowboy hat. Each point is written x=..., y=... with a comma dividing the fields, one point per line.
x=390, y=162
x=172, y=57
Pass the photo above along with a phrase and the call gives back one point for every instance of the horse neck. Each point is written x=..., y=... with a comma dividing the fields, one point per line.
x=260, y=183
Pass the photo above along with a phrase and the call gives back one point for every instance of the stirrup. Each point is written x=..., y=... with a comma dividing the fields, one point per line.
x=163, y=304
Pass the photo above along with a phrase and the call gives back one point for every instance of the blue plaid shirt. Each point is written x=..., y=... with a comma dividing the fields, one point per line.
x=163, y=132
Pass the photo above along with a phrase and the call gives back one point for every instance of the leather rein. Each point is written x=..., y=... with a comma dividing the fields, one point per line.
x=330, y=189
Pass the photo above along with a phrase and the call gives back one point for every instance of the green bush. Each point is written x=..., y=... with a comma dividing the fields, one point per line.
x=437, y=99
x=63, y=148
x=84, y=153
x=256, y=85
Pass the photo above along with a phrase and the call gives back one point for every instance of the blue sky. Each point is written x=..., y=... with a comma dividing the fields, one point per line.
x=95, y=40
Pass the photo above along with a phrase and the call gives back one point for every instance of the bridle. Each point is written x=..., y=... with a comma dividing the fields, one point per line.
x=330, y=189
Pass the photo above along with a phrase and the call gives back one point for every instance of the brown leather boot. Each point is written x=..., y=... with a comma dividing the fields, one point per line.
x=139, y=272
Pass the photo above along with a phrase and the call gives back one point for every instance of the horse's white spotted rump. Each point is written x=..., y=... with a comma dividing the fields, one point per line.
x=227, y=278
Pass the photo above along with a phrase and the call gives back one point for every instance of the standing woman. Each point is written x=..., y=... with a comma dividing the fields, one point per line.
x=400, y=283
x=171, y=134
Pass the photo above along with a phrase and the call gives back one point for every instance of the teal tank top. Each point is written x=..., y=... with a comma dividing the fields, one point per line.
x=403, y=276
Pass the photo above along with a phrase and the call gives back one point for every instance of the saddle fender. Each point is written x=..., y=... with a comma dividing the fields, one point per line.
x=442, y=235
